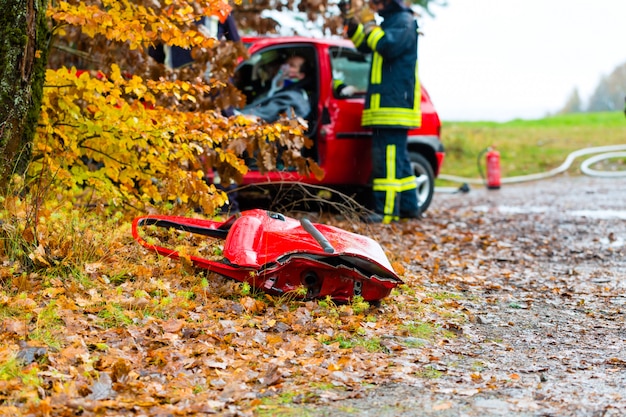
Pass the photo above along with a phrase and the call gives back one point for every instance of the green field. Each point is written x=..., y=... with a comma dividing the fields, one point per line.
x=528, y=146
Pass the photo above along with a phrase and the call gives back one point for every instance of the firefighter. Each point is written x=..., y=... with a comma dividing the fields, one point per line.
x=392, y=105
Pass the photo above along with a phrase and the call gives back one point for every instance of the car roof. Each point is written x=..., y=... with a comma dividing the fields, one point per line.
x=265, y=40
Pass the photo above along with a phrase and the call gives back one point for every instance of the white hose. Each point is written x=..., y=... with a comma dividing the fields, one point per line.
x=584, y=167
x=606, y=152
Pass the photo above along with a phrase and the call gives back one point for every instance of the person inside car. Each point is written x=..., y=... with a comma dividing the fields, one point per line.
x=286, y=94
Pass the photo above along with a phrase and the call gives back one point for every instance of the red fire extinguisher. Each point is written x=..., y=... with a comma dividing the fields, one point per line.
x=493, y=169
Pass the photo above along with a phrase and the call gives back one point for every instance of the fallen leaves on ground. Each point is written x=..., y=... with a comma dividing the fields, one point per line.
x=132, y=332
x=126, y=332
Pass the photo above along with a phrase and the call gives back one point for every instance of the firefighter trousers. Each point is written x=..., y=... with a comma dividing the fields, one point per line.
x=393, y=183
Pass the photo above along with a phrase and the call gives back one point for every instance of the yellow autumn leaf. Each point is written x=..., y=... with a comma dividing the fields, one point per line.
x=334, y=367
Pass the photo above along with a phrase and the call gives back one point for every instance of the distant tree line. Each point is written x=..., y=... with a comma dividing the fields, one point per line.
x=609, y=95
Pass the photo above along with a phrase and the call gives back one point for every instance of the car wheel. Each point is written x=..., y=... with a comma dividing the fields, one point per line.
x=425, y=179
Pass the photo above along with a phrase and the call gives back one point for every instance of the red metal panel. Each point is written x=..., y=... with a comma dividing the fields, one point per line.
x=279, y=254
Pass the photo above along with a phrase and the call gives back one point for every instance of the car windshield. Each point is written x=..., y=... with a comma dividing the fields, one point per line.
x=350, y=67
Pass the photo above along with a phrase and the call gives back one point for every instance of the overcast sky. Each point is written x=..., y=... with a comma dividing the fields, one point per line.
x=505, y=59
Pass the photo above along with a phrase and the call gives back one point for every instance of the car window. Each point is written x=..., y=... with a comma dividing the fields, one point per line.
x=350, y=67
x=254, y=76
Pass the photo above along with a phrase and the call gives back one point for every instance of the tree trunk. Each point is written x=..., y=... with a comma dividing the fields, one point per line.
x=24, y=37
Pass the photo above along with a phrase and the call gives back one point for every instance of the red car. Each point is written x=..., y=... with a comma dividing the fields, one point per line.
x=342, y=147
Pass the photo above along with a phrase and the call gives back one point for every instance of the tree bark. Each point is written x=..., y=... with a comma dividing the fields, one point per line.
x=24, y=36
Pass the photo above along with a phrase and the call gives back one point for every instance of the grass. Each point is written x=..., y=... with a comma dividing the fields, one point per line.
x=419, y=330
x=370, y=344
x=428, y=372
x=528, y=146
x=14, y=368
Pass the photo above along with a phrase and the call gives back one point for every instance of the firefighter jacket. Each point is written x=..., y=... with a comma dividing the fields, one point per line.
x=394, y=93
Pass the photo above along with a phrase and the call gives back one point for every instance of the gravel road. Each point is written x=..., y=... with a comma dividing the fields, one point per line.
x=545, y=297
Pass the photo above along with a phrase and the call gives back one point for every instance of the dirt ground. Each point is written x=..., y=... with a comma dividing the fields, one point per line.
x=546, y=299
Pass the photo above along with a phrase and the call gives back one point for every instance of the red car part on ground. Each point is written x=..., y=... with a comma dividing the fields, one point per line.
x=279, y=255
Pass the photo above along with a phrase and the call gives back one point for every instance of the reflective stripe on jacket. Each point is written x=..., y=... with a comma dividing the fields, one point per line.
x=394, y=94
